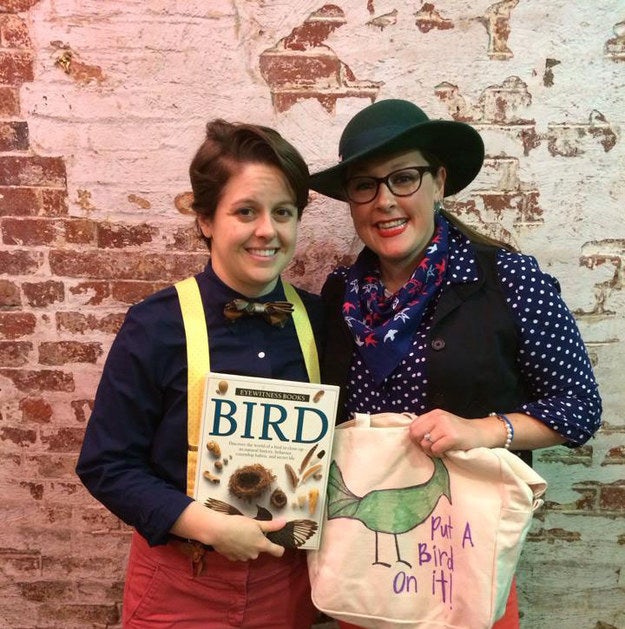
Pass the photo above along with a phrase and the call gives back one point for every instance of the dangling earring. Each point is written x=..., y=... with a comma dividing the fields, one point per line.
x=438, y=206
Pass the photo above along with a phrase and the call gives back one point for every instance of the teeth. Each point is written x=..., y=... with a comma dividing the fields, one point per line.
x=266, y=253
x=390, y=224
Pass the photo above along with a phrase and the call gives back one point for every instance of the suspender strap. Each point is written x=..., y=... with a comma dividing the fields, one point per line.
x=304, y=332
x=198, y=358
x=198, y=365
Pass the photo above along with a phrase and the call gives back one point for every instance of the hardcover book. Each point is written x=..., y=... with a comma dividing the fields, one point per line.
x=264, y=452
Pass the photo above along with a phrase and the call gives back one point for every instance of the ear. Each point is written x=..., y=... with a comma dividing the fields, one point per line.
x=205, y=225
x=439, y=183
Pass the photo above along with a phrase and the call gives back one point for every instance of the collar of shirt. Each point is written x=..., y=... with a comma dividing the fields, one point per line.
x=217, y=293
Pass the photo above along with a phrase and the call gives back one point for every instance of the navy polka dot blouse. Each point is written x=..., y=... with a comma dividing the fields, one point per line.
x=552, y=359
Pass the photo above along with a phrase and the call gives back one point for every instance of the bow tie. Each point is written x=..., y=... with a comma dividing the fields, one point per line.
x=274, y=312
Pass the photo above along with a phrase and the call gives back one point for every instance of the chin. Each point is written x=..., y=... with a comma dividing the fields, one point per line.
x=265, y=280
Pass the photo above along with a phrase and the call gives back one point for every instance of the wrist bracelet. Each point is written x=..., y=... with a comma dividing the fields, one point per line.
x=509, y=428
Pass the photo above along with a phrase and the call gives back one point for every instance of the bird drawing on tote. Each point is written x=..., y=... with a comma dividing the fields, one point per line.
x=389, y=511
x=292, y=535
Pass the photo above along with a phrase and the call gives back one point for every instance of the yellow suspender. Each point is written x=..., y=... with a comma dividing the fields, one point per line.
x=198, y=365
x=304, y=333
x=198, y=358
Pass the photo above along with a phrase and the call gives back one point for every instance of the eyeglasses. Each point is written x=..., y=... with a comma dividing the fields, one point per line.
x=402, y=183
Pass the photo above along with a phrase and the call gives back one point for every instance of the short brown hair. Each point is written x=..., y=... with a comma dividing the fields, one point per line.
x=228, y=145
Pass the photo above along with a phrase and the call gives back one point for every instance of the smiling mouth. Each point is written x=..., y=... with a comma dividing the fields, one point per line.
x=394, y=224
x=263, y=253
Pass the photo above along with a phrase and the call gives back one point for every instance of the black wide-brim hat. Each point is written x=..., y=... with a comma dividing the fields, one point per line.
x=393, y=125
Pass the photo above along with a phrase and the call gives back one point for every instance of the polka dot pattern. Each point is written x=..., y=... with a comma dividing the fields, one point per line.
x=552, y=358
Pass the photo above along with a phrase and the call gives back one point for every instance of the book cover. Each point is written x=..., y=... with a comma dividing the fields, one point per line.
x=265, y=450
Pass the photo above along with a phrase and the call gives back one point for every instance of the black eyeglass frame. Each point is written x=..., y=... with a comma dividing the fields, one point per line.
x=433, y=170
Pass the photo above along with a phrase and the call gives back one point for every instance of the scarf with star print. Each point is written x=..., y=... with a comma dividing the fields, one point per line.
x=383, y=326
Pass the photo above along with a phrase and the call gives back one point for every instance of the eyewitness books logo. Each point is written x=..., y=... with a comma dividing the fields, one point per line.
x=264, y=451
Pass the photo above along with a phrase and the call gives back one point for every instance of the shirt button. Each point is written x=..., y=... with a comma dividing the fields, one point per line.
x=438, y=344
x=261, y=354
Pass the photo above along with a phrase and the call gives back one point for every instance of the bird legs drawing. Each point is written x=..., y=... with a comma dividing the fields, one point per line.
x=377, y=561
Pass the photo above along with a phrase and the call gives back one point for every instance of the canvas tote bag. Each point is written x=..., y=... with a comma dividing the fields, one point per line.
x=414, y=541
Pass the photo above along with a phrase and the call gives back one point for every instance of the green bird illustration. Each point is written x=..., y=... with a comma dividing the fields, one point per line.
x=390, y=511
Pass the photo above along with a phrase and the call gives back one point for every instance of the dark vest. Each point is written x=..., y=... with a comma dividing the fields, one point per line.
x=472, y=346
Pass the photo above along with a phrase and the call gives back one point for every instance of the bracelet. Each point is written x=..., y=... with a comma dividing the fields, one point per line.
x=509, y=428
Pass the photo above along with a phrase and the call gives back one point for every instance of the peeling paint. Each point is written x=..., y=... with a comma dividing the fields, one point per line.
x=608, y=252
x=548, y=74
x=84, y=200
x=183, y=203
x=428, y=18
x=567, y=139
x=615, y=46
x=497, y=103
x=144, y=204
x=551, y=536
x=69, y=61
x=301, y=66
x=381, y=22
x=496, y=20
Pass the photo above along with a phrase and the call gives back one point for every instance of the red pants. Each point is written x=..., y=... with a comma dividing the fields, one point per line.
x=510, y=619
x=267, y=593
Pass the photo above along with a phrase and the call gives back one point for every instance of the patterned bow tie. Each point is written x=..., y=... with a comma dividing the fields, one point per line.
x=274, y=312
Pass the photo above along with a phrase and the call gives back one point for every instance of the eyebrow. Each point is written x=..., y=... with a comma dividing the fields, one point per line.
x=255, y=202
x=359, y=172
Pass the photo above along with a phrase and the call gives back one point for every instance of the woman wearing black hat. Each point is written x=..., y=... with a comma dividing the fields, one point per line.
x=437, y=320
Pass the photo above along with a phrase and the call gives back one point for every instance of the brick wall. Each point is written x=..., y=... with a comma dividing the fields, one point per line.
x=102, y=105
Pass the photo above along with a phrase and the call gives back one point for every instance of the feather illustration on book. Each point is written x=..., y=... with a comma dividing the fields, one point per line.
x=292, y=535
x=389, y=511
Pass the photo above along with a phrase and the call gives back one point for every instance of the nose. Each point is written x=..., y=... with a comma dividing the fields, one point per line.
x=384, y=199
x=265, y=227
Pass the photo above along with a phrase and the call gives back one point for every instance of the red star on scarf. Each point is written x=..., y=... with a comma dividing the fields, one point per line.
x=347, y=307
x=414, y=286
x=370, y=340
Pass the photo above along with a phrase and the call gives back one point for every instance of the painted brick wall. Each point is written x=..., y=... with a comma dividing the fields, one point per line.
x=102, y=105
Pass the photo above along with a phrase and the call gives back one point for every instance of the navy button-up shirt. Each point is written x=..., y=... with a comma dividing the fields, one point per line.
x=134, y=454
